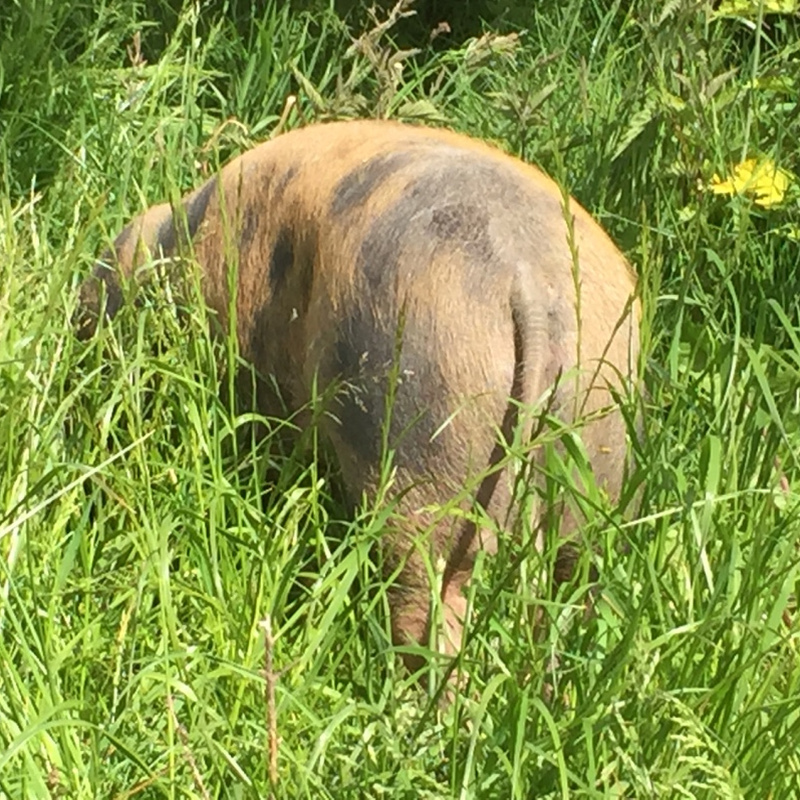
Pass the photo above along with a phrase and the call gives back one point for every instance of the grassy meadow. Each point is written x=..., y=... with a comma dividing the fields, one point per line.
x=186, y=611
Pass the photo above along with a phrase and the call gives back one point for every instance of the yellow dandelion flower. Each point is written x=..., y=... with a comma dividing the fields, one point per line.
x=763, y=180
x=749, y=8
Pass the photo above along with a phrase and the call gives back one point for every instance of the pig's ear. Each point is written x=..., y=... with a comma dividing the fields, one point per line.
x=99, y=293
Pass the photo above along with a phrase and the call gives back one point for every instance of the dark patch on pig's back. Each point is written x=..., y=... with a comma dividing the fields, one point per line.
x=278, y=191
x=464, y=225
x=455, y=201
x=281, y=259
x=195, y=205
x=280, y=322
x=264, y=205
x=406, y=239
x=357, y=186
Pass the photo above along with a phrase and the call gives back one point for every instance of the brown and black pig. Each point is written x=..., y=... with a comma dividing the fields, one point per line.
x=422, y=263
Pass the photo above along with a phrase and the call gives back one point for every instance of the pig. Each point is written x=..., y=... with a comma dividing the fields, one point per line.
x=397, y=261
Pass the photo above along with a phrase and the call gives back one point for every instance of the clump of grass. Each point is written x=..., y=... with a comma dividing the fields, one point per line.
x=142, y=546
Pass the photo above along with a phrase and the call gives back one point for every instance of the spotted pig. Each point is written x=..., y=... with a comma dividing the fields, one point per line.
x=390, y=258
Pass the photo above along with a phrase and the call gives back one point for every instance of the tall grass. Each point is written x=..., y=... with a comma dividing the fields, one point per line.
x=145, y=534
